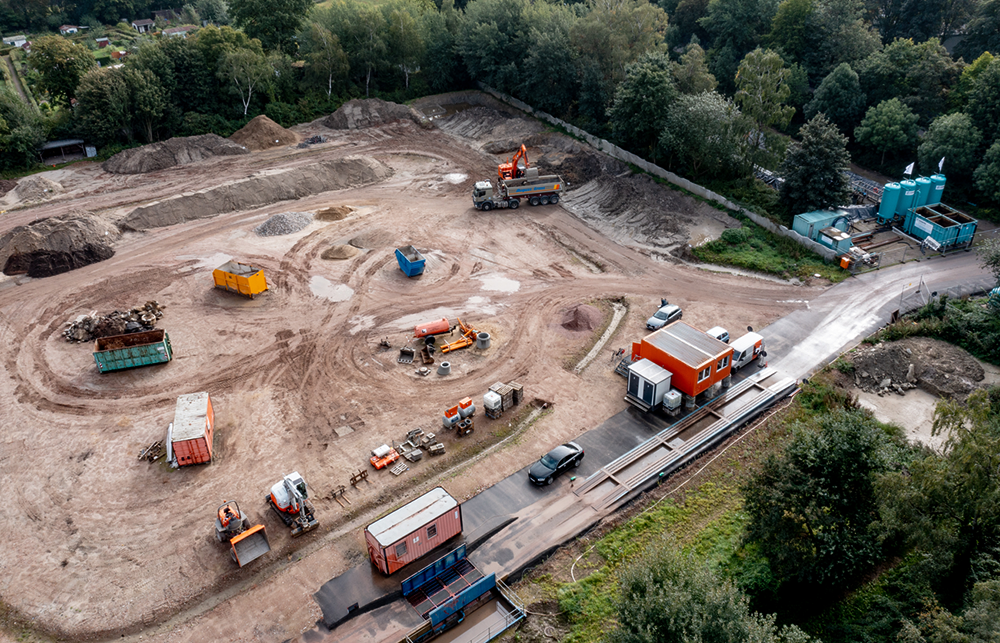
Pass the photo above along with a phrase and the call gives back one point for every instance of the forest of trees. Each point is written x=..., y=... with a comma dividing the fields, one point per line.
x=707, y=88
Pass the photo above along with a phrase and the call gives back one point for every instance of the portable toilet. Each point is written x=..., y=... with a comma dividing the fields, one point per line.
x=194, y=424
x=241, y=278
x=890, y=199
x=647, y=383
x=924, y=187
x=908, y=192
x=937, y=191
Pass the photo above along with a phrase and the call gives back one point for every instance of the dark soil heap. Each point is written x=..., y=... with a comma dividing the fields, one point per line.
x=176, y=151
x=262, y=133
x=581, y=318
x=369, y=112
x=6, y=185
x=58, y=244
x=935, y=366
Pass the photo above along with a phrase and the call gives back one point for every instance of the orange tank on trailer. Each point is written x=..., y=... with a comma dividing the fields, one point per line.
x=436, y=327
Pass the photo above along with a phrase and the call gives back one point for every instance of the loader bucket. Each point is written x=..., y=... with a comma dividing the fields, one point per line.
x=250, y=545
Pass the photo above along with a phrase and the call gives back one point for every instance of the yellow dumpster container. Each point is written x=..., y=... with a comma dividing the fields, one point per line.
x=240, y=278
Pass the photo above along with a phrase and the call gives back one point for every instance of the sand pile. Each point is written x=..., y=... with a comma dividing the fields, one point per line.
x=284, y=223
x=581, y=318
x=262, y=133
x=335, y=213
x=118, y=322
x=935, y=366
x=176, y=151
x=58, y=244
x=259, y=190
x=369, y=112
x=377, y=238
x=340, y=252
x=33, y=188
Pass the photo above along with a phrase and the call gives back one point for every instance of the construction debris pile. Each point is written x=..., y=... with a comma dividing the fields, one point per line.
x=935, y=366
x=94, y=326
x=284, y=223
x=312, y=140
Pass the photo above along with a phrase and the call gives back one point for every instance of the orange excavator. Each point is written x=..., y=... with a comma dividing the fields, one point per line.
x=510, y=169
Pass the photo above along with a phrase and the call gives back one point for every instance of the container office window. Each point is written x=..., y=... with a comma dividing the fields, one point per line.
x=724, y=362
x=432, y=531
x=401, y=549
x=703, y=375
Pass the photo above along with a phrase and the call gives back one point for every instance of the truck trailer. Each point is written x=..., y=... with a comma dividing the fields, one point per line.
x=536, y=190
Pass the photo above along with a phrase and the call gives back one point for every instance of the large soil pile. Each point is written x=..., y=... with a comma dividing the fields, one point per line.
x=369, y=112
x=33, y=188
x=58, y=244
x=581, y=318
x=259, y=190
x=262, y=133
x=6, y=185
x=938, y=367
x=176, y=151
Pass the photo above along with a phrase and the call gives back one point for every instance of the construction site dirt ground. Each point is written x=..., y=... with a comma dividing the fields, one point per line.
x=98, y=544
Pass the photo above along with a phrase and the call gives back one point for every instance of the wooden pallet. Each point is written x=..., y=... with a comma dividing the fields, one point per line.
x=399, y=469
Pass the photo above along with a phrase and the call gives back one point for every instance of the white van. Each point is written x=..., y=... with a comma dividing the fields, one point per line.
x=747, y=349
x=718, y=333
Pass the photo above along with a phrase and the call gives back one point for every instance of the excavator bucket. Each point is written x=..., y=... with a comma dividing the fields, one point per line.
x=250, y=545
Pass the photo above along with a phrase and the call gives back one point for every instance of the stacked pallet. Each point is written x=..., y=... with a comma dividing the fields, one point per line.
x=518, y=392
x=506, y=393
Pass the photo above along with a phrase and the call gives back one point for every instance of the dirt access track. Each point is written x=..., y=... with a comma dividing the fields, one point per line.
x=98, y=544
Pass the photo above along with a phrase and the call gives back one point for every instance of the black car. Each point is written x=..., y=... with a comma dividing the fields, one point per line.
x=555, y=462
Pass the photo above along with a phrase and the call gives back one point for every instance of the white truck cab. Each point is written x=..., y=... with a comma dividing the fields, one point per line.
x=746, y=349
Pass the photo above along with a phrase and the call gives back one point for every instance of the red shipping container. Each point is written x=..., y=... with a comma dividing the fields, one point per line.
x=194, y=424
x=413, y=530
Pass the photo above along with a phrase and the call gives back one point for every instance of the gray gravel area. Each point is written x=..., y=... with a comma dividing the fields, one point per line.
x=284, y=223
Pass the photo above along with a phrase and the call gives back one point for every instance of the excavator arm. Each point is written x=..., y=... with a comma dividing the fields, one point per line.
x=510, y=170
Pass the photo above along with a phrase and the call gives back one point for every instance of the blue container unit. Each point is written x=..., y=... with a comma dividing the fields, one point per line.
x=944, y=228
x=410, y=261
x=890, y=199
x=810, y=223
x=924, y=189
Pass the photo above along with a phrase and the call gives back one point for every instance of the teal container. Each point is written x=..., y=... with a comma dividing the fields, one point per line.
x=908, y=192
x=924, y=188
x=937, y=189
x=120, y=352
x=890, y=199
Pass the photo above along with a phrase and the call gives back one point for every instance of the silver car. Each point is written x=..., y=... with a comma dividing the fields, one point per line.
x=665, y=315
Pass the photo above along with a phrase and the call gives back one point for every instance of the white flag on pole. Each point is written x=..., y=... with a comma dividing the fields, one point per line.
x=941, y=165
x=909, y=168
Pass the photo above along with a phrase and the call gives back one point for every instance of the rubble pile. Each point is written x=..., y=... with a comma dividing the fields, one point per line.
x=312, y=140
x=94, y=326
x=935, y=366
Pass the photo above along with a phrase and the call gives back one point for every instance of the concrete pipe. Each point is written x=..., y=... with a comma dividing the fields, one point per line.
x=444, y=368
x=483, y=340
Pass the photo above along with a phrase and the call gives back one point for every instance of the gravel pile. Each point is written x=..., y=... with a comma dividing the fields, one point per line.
x=284, y=223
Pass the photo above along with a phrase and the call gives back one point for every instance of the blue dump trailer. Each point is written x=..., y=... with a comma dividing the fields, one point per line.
x=940, y=227
x=118, y=352
x=411, y=262
x=451, y=587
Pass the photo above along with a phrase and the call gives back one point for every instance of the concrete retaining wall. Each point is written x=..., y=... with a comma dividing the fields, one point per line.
x=623, y=155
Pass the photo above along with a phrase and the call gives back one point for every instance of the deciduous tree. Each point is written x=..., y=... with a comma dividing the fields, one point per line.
x=21, y=131
x=246, y=70
x=325, y=60
x=813, y=170
x=705, y=136
x=984, y=101
x=405, y=42
x=890, y=126
x=692, y=74
x=642, y=103
x=955, y=138
x=839, y=96
x=60, y=64
x=983, y=31
x=987, y=175
x=273, y=22
x=762, y=89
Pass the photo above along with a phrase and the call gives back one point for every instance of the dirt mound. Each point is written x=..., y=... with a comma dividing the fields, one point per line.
x=284, y=223
x=377, y=238
x=58, y=244
x=258, y=190
x=34, y=188
x=581, y=318
x=938, y=367
x=176, y=151
x=477, y=123
x=335, y=213
x=340, y=252
x=118, y=322
x=369, y=112
x=262, y=133
x=6, y=185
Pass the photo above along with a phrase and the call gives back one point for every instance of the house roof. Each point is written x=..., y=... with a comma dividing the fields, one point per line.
x=65, y=27
x=105, y=39
x=14, y=38
x=144, y=21
x=686, y=344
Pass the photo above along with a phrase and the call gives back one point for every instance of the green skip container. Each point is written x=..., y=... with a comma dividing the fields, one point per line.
x=119, y=352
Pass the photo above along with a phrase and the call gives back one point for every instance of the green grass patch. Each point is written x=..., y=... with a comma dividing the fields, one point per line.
x=752, y=247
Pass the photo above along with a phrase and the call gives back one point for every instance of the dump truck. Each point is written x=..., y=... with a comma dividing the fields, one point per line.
x=246, y=543
x=119, y=352
x=535, y=189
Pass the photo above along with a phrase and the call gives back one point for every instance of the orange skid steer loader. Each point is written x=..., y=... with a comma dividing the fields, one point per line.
x=246, y=543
